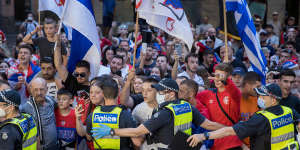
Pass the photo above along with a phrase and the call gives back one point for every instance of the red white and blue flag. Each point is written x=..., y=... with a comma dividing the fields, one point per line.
x=167, y=15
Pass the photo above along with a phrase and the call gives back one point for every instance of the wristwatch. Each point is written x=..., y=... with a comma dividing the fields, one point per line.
x=112, y=132
x=206, y=135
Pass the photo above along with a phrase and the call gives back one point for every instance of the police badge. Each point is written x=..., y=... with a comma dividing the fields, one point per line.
x=4, y=136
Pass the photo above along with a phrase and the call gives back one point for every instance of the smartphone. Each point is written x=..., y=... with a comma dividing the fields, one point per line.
x=178, y=49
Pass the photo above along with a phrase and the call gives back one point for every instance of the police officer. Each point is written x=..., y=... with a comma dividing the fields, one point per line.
x=172, y=115
x=272, y=128
x=17, y=130
x=111, y=115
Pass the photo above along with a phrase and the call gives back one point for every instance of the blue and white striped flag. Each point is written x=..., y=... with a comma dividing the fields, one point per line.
x=85, y=45
x=247, y=32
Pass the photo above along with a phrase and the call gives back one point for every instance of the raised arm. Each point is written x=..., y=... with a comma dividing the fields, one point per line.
x=175, y=66
x=61, y=69
x=28, y=38
x=125, y=99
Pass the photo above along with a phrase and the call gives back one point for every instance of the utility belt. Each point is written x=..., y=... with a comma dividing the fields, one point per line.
x=152, y=140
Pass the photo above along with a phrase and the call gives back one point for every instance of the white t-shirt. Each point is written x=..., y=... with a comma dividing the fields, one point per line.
x=141, y=113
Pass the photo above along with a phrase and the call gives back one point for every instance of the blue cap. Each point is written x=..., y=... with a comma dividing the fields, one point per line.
x=269, y=90
x=238, y=71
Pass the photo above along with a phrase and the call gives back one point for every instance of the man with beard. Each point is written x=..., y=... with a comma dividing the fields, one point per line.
x=41, y=107
x=191, y=63
x=116, y=65
x=48, y=72
x=287, y=78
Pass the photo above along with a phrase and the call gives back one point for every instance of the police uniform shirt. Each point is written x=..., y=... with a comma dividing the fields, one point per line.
x=161, y=124
x=126, y=121
x=11, y=136
x=258, y=129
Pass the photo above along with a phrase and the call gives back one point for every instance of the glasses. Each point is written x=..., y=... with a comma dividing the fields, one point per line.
x=76, y=75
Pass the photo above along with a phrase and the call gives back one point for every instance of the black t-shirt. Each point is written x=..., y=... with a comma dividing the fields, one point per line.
x=126, y=121
x=46, y=48
x=292, y=102
x=161, y=124
x=258, y=129
x=10, y=137
x=74, y=87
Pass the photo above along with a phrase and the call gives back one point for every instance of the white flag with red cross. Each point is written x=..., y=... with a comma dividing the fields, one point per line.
x=167, y=15
x=55, y=6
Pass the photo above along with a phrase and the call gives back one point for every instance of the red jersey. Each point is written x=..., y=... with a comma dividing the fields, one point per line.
x=66, y=126
x=230, y=101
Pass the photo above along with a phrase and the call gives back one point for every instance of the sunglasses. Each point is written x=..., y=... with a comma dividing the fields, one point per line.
x=76, y=74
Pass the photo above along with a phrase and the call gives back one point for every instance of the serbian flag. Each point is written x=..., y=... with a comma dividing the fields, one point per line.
x=79, y=15
x=55, y=6
x=167, y=15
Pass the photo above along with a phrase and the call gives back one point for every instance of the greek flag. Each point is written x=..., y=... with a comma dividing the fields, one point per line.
x=248, y=35
x=85, y=45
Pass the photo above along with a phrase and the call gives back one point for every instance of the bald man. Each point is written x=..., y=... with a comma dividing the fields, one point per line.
x=41, y=107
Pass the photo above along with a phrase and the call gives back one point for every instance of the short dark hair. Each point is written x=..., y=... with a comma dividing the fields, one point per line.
x=190, y=55
x=287, y=72
x=191, y=84
x=269, y=26
x=64, y=91
x=251, y=77
x=83, y=63
x=224, y=67
x=121, y=50
x=118, y=57
x=208, y=52
x=47, y=60
x=290, y=43
x=110, y=89
x=27, y=46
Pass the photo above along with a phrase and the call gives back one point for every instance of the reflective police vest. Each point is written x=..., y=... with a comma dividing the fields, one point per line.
x=110, y=119
x=282, y=129
x=183, y=116
x=29, y=130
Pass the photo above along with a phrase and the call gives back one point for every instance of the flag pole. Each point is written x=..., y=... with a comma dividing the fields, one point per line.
x=60, y=24
x=135, y=37
x=39, y=15
x=225, y=30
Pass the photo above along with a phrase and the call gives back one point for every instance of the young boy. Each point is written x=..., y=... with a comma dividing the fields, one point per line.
x=65, y=120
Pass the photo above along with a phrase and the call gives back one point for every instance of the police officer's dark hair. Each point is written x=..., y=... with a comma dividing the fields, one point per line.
x=186, y=60
x=191, y=84
x=64, y=91
x=251, y=77
x=224, y=67
x=287, y=72
x=84, y=64
x=110, y=89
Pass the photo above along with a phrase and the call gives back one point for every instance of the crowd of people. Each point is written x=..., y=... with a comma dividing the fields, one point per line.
x=170, y=88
